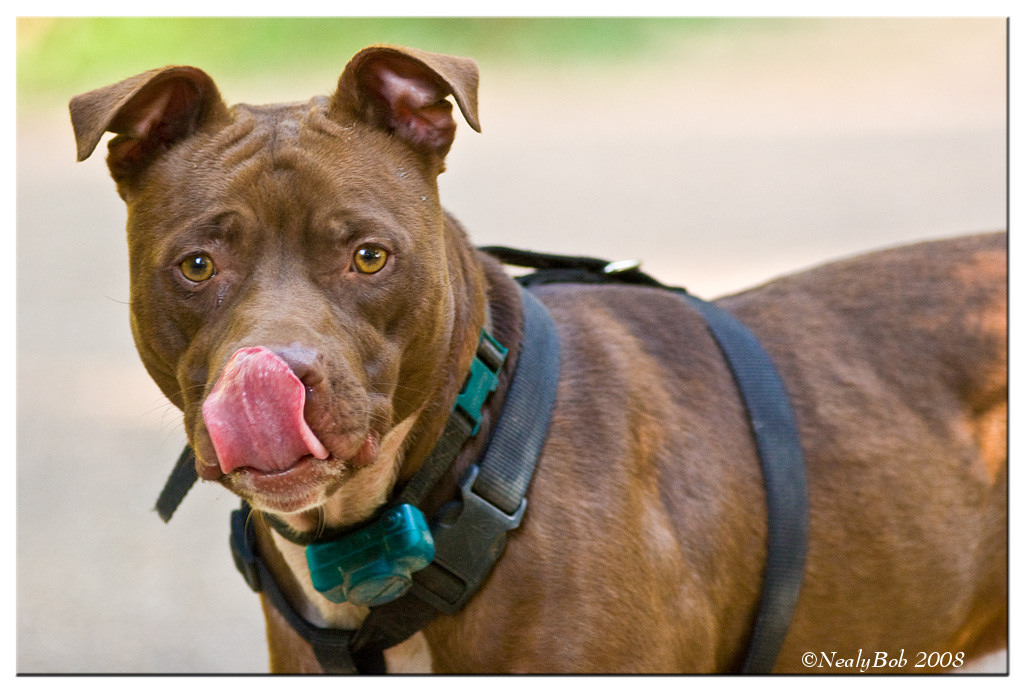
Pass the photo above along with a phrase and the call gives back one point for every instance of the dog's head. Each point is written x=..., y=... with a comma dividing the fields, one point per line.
x=294, y=287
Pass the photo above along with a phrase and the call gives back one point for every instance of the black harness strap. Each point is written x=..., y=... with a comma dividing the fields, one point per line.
x=183, y=476
x=772, y=423
x=782, y=463
x=520, y=432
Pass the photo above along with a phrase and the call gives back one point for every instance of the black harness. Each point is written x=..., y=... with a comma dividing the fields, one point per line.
x=469, y=537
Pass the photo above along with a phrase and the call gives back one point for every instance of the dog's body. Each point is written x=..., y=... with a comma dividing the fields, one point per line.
x=312, y=235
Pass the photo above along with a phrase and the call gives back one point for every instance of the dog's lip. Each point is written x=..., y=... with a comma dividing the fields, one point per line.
x=249, y=471
x=296, y=488
x=304, y=483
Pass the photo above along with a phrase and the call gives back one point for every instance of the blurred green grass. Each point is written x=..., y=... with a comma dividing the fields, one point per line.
x=67, y=55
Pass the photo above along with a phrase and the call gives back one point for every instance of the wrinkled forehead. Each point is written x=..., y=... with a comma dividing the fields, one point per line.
x=290, y=151
x=281, y=124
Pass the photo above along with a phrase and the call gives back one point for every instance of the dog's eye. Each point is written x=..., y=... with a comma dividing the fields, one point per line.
x=198, y=268
x=369, y=259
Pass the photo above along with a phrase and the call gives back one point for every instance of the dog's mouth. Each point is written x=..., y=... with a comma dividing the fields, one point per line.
x=265, y=449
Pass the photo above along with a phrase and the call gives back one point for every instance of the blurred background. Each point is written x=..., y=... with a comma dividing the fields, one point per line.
x=722, y=152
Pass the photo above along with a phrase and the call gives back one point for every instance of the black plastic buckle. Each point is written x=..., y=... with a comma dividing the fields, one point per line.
x=243, y=543
x=465, y=549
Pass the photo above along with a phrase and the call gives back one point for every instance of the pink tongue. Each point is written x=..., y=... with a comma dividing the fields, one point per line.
x=255, y=414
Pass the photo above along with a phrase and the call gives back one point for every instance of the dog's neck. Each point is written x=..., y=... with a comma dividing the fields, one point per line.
x=469, y=287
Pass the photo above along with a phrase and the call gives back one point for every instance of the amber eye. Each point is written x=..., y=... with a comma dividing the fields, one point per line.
x=369, y=259
x=198, y=268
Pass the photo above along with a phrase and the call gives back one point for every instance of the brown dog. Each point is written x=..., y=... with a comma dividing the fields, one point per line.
x=306, y=244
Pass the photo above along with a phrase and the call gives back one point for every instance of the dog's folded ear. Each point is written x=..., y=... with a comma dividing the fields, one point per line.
x=147, y=112
x=405, y=91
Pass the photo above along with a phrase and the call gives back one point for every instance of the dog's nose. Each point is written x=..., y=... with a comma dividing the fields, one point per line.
x=304, y=361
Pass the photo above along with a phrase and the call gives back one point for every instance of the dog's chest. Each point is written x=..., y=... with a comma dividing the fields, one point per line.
x=410, y=657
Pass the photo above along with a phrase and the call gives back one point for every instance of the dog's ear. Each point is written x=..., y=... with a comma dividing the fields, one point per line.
x=148, y=112
x=405, y=91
